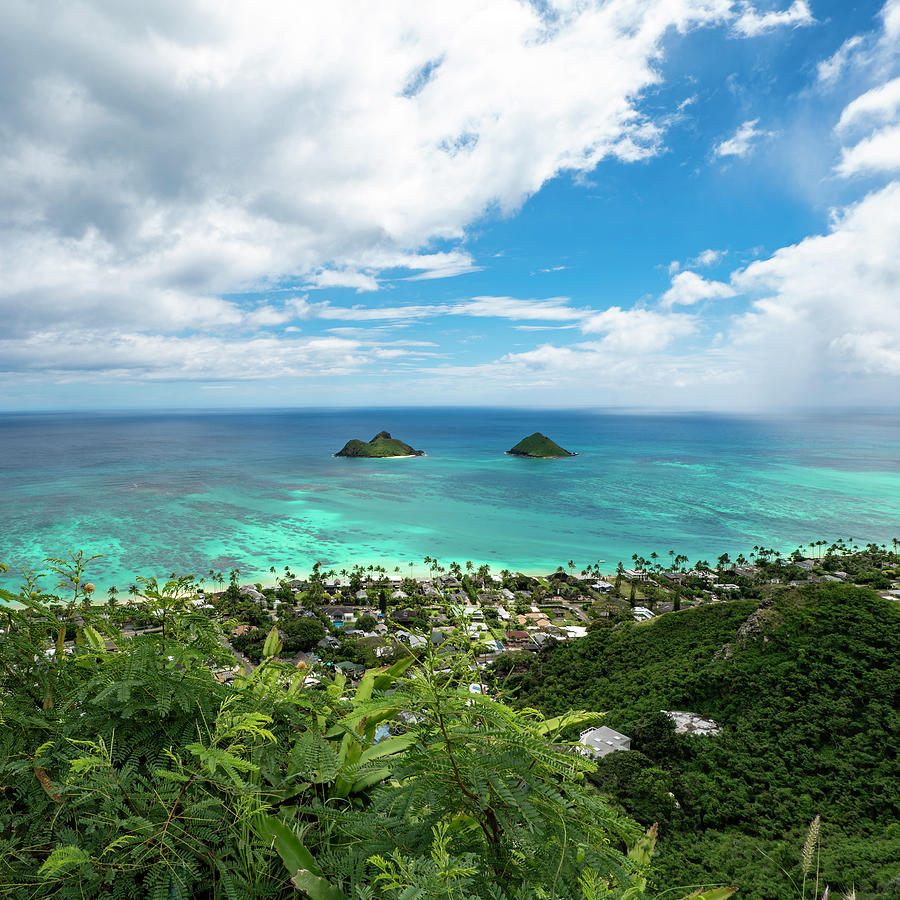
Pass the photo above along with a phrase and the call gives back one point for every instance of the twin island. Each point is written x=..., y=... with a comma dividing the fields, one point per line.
x=383, y=446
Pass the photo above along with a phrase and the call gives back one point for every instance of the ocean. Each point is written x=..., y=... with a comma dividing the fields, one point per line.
x=186, y=492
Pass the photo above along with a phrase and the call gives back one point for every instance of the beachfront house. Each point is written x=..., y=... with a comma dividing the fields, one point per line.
x=600, y=742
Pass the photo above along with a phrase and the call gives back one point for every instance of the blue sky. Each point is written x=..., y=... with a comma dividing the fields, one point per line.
x=680, y=203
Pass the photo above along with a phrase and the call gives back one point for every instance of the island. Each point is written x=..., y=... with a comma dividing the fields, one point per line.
x=381, y=446
x=538, y=446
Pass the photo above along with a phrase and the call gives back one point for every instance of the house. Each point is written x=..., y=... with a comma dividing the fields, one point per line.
x=399, y=595
x=602, y=587
x=517, y=639
x=641, y=613
x=361, y=595
x=337, y=613
x=600, y=742
x=411, y=640
x=403, y=616
x=507, y=594
x=637, y=575
x=540, y=640
x=575, y=631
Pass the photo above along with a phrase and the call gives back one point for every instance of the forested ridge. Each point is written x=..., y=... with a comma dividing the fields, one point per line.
x=806, y=688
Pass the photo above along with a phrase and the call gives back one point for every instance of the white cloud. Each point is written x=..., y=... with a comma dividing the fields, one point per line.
x=877, y=110
x=880, y=152
x=708, y=258
x=88, y=355
x=155, y=158
x=327, y=278
x=870, y=53
x=829, y=70
x=875, y=107
x=741, y=142
x=827, y=311
x=637, y=330
x=689, y=288
x=553, y=309
x=752, y=23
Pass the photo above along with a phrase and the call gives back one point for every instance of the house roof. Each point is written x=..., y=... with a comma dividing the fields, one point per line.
x=601, y=741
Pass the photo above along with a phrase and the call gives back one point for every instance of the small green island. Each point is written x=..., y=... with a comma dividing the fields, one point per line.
x=538, y=446
x=381, y=446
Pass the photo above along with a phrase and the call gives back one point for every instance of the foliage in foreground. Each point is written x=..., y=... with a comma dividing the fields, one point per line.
x=127, y=769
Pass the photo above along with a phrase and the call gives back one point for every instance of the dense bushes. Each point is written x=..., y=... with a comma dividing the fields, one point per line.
x=808, y=703
x=128, y=770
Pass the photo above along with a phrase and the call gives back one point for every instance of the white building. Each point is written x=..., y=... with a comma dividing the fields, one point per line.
x=599, y=742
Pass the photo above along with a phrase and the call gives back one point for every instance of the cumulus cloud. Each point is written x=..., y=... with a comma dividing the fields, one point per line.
x=155, y=159
x=826, y=310
x=823, y=325
x=689, y=288
x=752, y=23
x=741, y=143
x=876, y=114
x=879, y=152
x=637, y=330
x=875, y=107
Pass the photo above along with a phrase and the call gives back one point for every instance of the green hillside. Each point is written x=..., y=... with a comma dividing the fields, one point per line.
x=807, y=697
x=380, y=447
x=538, y=446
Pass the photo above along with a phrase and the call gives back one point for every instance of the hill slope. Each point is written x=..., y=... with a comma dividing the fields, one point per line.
x=380, y=447
x=806, y=690
x=538, y=446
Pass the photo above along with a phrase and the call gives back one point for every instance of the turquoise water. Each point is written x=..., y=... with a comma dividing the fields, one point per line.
x=186, y=492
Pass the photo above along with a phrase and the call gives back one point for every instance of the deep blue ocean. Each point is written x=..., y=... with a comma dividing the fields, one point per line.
x=187, y=492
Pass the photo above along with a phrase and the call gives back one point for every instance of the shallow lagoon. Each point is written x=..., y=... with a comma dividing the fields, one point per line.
x=190, y=491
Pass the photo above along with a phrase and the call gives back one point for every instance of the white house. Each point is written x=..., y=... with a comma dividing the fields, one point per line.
x=599, y=742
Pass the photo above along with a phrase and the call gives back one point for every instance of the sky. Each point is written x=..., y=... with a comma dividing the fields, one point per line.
x=686, y=204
